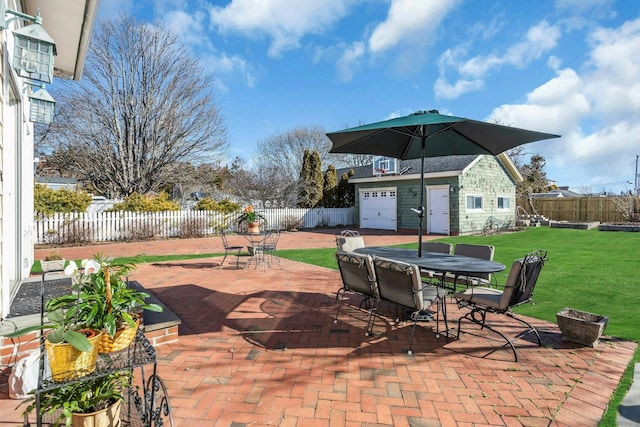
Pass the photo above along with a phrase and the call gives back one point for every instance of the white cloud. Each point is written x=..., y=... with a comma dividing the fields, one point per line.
x=409, y=21
x=443, y=89
x=615, y=79
x=349, y=60
x=284, y=21
x=557, y=106
x=597, y=112
x=539, y=39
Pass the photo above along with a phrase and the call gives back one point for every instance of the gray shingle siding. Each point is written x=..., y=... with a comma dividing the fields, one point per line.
x=483, y=176
x=489, y=179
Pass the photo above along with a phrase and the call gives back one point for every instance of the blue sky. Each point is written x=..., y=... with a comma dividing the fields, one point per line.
x=570, y=67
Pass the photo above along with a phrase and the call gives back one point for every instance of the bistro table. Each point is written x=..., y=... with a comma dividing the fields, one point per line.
x=256, y=241
x=458, y=265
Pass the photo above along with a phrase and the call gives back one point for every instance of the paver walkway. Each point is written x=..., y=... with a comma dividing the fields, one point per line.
x=261, y=349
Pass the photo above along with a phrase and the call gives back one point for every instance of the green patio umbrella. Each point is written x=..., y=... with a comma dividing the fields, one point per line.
x=430, y=134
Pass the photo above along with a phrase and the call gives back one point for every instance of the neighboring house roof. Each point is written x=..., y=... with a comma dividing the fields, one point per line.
x=56, y=180
x=70, y=24
x=433, y=166
x=560, y=192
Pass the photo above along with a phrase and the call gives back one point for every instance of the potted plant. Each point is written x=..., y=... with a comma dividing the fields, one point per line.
x=94, y=402
x=104, y=300
x=72, y=348
x=53, y=261
x=250, y=217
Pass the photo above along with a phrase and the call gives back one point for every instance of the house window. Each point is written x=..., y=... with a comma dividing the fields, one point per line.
x=504, y=203
x=474, y=203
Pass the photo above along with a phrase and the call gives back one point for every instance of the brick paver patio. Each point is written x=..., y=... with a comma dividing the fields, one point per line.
x=261, y=349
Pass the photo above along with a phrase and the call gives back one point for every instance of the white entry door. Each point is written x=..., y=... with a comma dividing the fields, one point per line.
x=438, y=210
x=378, y=209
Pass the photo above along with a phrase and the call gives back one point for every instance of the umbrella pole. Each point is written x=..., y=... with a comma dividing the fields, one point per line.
x=421, y=214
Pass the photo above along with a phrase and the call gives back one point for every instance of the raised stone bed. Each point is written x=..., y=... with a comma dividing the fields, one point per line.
x=575, y=225
x=620, y=227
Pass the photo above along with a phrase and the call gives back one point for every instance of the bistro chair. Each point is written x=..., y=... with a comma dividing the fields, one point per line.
x=358, y=277
x=230, y=249
x=474, y=251
x=349, y=243
x=400, y=284
x=518, y=289
x=269, y=248
x=437, y=247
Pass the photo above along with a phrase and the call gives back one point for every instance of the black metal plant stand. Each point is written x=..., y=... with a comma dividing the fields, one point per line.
x=147, y=405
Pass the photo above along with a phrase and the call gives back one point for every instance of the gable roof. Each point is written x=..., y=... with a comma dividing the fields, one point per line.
x=444, y=166
x=432, y=165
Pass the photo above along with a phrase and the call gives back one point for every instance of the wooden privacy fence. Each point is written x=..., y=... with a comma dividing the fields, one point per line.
x=576, y=209
x=76, y=228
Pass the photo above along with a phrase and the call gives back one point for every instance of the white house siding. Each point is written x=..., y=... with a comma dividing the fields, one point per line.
x=486, y=177
x=16, y=181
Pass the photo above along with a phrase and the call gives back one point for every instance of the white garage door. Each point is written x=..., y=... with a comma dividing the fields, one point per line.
x=378, y=209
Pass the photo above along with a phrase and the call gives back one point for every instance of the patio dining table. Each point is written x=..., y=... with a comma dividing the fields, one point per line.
x=442, y=263
x=458, y=265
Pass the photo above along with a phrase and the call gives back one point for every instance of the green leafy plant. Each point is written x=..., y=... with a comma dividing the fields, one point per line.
x=48, y=201
x=81, y=397
x=103, y=299
x=208, y=204
x=66, y=328
x=53, y=255
x=249, y=214
x=146, y=203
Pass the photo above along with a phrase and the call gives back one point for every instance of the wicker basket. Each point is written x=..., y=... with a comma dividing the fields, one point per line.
x=121, y=340
x=68, y=363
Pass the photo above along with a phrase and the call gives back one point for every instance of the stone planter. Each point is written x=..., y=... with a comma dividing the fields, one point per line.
x=52, y=265
x=581, y=327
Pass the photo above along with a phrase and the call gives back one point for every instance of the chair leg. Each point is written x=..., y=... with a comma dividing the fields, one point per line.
x=373, y=312
x=532, y=329
x=441, y=306
x=341, y=293
x=478, y=317
x=225, y=257
x=238, y=259
x=413, y=332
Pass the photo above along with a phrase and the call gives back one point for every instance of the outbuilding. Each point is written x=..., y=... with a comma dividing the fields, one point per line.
x=464, y=194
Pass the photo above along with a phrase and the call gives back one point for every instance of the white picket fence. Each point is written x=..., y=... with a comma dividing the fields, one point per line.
x=126, y=226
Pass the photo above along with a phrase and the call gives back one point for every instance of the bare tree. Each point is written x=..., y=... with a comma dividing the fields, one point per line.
x=517, y=155
x=285, y=151
x=273, y=189
x=144, y=104
x=629, y=206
